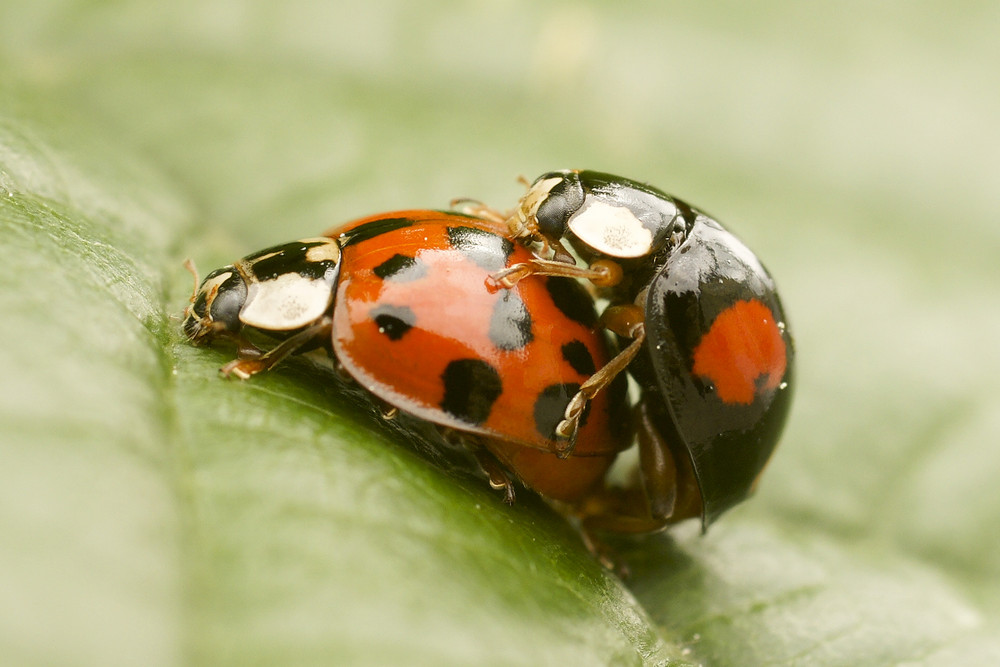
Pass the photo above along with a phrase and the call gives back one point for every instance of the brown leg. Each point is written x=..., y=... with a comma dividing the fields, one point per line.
x=603, y=273
x=668, y=481
x=662, y=492
x=657, y=468
x=626, y=321
x=567, y=428
x=478, y=209
x=249, y=363
x=495, y=472
x=475, y=207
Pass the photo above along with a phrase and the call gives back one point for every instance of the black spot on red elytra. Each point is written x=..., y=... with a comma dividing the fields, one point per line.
x=572, y=300
x=578, y=356
x=393, y=321
x=488, y=250
x=373, y=229
x=400, y=268
x=550, y=407
x=510, y=323
x=471, y=387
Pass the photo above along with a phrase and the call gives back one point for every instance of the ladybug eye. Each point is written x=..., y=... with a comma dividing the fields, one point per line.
x=228, y=301
x=562, y=202
x=552, y=216
x=216, y=305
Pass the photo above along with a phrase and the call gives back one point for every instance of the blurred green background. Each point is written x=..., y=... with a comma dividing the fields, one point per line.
x=151, y=513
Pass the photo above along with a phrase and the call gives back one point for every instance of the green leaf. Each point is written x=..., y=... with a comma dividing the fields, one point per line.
x=152, y=512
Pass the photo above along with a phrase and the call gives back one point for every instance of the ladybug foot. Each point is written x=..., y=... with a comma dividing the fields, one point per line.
x=507, y=487
x=478, y=209
x=570, y=425
x=243, y=368
x=495, y=473
x=602, y=273
x=604, y=554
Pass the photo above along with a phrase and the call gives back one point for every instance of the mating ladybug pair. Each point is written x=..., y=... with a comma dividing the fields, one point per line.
x=479, y=322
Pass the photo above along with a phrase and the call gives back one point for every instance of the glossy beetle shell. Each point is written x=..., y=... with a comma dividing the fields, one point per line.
x=416, y=322
x=405, y=303
x=718, y=351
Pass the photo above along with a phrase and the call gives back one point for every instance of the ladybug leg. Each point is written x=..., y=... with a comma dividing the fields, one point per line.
x=626, y=321
x=661, y=491
x=498, y=477
x=495, y=472
x=248, y=365
x=603, y=273
x=477, y=208
x=667, y=480
x=193, y=270
x=657, y=468
x=574, y=411
x=244, y=348
x=387, y=411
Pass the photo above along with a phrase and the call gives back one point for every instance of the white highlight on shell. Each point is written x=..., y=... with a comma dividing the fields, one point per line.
x=612, y=230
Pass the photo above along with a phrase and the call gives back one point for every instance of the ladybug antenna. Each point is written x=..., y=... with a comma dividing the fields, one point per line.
x=465, y=201
x=189, y=265
x=475, y=207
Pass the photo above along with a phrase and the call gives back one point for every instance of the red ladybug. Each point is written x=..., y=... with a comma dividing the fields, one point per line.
x=707, y=338
x=405, y=304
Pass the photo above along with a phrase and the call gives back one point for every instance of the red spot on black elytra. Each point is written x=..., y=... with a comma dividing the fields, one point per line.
x=743, y=353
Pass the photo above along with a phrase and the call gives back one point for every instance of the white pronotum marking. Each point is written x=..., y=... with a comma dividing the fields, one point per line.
x=287, y=302
x=612, y=230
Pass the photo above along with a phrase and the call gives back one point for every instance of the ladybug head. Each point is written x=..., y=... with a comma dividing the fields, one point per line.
x=279, y=289
x=215, y=304
x=548, y=204
x=599, y=214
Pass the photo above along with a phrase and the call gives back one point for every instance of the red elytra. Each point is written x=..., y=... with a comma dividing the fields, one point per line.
x=406, y=303
x=418, y=323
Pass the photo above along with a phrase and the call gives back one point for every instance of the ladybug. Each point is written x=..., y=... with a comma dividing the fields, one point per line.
x=404, y=303
x=707, y=338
